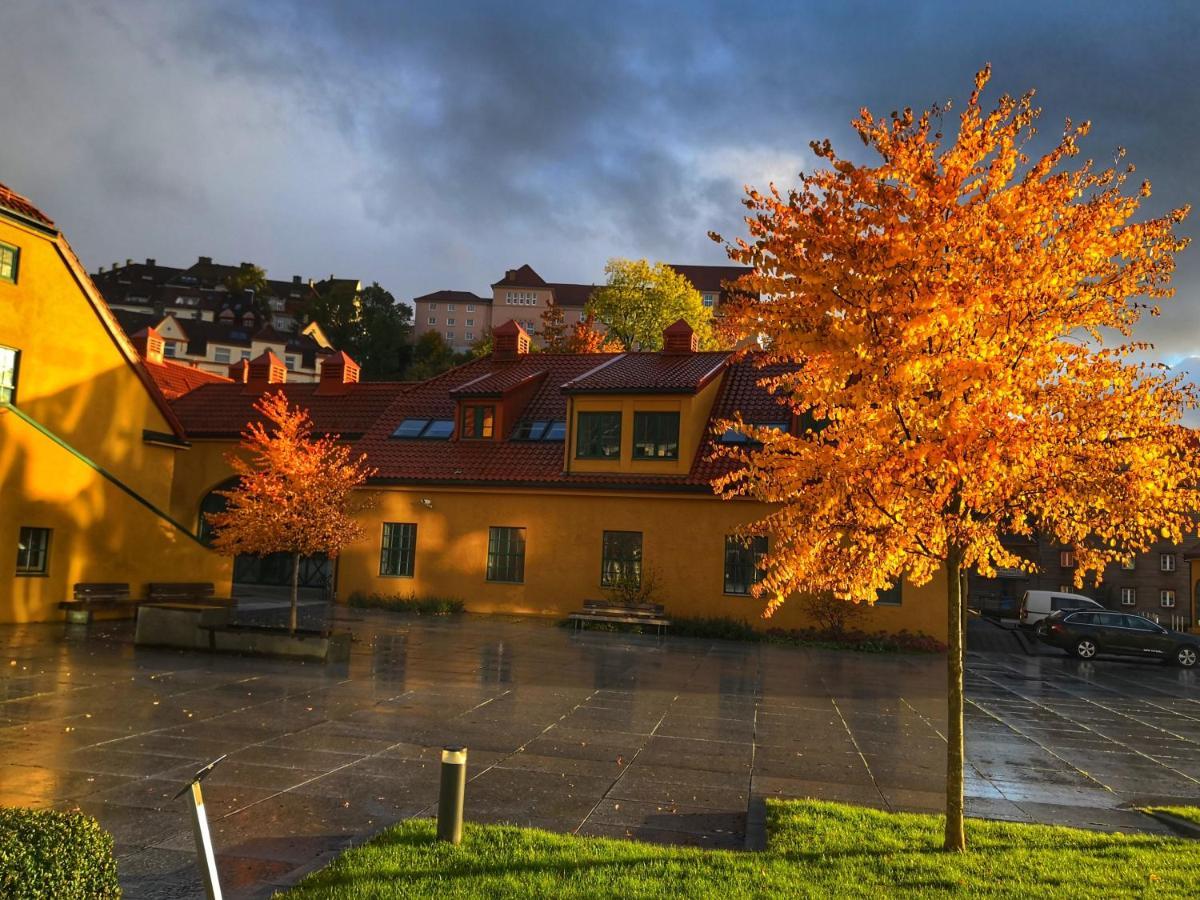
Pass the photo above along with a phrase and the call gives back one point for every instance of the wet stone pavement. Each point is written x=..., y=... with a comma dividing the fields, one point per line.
x=676, y=741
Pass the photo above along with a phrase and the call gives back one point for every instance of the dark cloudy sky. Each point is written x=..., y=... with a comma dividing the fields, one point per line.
x=432, y=145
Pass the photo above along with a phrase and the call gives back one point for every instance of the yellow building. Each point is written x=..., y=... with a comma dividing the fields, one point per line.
x=528, y=483
x=88, y=444
x=521, y=483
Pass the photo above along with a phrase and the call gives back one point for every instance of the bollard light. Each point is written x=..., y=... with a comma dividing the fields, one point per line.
x=450, y=796
x=204, y=848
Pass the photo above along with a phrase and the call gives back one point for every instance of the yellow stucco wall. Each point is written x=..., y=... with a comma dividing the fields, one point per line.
x=683, y=541
x=75, y=382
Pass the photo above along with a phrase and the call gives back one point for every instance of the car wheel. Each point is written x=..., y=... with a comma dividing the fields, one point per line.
x=1186, y=656
x=1085, y=648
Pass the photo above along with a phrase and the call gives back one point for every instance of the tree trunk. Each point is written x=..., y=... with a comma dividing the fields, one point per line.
x=956, y=839
x=295, y=592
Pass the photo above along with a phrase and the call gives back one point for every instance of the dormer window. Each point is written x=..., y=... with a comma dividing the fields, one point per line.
x=8, y=263
x=656, y=435
x=433, y=429
x=599, y=435
x=478, y=422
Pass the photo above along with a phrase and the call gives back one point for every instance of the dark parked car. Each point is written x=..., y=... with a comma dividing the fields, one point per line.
x=1086, y=633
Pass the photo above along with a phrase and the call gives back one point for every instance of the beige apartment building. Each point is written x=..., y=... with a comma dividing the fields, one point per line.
x=462, y=318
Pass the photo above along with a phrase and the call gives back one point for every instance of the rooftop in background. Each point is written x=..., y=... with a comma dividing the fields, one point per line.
x=15, y=203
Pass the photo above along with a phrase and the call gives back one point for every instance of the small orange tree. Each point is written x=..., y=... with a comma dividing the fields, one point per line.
x=554, y=332
x=294, y=491
x=948, y=315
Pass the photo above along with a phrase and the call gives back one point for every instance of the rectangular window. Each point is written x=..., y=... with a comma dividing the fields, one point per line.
x=599, y=435
x=470, y=308
x=470, y=336
x=8, y=263
x=622, y=561
x=450, y=321
x=33, y=551
x=450, y=336
x=1128, y=596
x=710, y=299
x=1128, y=563
x=1166, y=562
x=399, y=549
x=470, y=323
x=291, y=363
x=8, y=374
x=478, y=422
x=743, y=558
x=432, y=307
x=656, y=435
x=245, y=354
x=1166, y=599
x=890, y=596
x=450, y=307
x=1066, y=559
x=506, y=554
x=169, y=348
x=433, y=320
x=221, y=354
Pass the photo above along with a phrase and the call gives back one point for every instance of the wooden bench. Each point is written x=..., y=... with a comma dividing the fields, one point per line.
x=91, y=596
x=621, y=614
x=177, y=593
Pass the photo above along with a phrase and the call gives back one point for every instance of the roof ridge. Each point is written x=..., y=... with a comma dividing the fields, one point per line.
x=592, y=371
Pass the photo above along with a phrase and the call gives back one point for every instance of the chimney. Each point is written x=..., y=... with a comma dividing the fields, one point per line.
x=246, y=265
x=149, y=344
x=101, y=272
x=510, y=274
x=205, y=261
x=240, y=371
x=149, y=262
x=263, y=371
x=129, y=262
x=337, y=373
x=679, y=339
x=509, y=341
x=295, y=279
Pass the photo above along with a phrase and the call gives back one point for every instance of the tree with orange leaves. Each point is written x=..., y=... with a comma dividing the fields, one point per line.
x=585, y=337
x=948, y=314
x=293, y=495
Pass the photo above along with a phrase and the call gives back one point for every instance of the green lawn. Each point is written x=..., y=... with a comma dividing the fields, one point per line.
x=815, y=849
x=1188, y=813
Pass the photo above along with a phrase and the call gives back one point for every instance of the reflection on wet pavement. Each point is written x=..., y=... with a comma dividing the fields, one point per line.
x=598, y=734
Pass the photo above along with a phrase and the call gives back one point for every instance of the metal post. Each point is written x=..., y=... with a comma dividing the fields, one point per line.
x=451, y=795
x=204, y=848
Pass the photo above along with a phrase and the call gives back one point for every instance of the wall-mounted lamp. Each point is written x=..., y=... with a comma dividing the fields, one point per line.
x=427, y=503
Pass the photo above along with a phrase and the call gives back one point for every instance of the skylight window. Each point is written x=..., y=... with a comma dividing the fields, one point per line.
x=540, y=430
x=410, y=428
x=434, y=429
x=530, y=431
x=733, y=436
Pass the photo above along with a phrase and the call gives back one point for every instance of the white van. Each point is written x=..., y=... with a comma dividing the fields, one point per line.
x=1036, y=605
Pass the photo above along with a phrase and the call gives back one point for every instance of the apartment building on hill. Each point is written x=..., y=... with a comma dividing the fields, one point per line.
x=462, y=317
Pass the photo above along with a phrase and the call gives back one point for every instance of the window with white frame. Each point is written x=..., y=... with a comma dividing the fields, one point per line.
x=1128, y=563
x=470, y=336
x=1166, y=599
x=450, y=336
x=450, y=321
x=8, y=374
x=433, y=320
x=9, y=256
x=1166, y=562
x=432, y=307
x=1128, y=596
x=470, y=322
x=168, y=348
x=470, y=307
x=1066, y=559
x=450, y=307
x=221, y=354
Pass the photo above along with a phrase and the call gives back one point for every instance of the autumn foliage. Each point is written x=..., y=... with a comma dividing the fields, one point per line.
x=958, y=320
x=294, y=490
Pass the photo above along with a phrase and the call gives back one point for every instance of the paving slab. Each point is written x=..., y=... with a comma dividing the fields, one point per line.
x=677, y=741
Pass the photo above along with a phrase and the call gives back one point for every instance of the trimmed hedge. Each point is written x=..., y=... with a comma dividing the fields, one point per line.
x=418, y=606
x=46, y=853
x=725, y=629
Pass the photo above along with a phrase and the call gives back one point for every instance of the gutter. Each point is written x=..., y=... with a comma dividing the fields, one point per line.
x=103, y=472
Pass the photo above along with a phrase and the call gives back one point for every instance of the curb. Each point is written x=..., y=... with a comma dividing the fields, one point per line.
x=1180, y=826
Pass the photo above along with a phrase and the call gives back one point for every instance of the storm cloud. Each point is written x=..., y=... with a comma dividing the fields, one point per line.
x=434, y=145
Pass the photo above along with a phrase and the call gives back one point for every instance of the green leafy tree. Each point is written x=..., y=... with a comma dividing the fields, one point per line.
x=432, y=356
x=369, y=325
x=254, y=279
x=640, y=300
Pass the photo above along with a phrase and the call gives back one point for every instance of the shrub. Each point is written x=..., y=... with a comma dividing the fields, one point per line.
x=640, y=590
x=412, y=604
x=833, y=616
x=45, y=853
x=719, y=628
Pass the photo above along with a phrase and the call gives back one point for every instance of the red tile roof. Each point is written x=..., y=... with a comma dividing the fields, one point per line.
x=175, y=379
x=710, y=279
x=652, y=373
x=223, y=410
x=572, y=294
x=540, y=463
x=14, y=202
x=452, y=297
